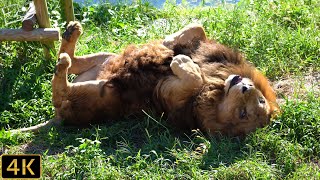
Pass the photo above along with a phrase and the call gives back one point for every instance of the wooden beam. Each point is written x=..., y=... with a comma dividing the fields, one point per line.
x=30, y=19
x=44, y=22
x=67, y=11
x=40, y=34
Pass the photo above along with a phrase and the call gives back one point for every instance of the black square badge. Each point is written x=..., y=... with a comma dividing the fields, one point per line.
x=21, y=166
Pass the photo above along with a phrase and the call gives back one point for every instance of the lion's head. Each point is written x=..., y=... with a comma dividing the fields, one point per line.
x=236, y=108
x=243, y=107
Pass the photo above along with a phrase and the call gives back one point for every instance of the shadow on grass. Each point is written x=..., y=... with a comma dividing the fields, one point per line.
x=130, y=138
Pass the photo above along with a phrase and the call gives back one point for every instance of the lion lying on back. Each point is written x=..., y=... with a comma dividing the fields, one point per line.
x=196, y=82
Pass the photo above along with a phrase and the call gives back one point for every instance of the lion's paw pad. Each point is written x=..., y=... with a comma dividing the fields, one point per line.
x=74, y=28
x=183, y=67
x=64, y=61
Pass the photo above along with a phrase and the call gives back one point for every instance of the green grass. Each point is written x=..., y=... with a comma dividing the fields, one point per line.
x=282, y=38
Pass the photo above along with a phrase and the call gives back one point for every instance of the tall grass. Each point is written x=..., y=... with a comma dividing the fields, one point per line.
x=280, y=37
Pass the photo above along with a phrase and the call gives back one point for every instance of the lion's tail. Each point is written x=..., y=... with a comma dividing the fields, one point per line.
x=38, y=127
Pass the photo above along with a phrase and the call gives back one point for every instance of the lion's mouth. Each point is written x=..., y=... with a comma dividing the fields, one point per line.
x=234, y=81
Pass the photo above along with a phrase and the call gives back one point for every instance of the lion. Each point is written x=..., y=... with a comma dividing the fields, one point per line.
x=195, y=82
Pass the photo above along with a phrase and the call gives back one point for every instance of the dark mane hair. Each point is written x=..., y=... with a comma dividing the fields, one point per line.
x=136, y=72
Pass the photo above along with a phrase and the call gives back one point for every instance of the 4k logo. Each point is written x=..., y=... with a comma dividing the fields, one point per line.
x=20, y=166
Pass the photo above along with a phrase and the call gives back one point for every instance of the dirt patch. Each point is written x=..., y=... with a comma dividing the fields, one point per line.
x=297, y=87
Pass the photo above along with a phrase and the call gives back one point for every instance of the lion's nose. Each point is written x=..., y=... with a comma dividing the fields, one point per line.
x=244, y=89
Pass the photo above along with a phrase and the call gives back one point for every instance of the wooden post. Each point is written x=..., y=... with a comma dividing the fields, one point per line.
x=67, y=10
x=39, y=34
x=30, y=19
x=44, y=22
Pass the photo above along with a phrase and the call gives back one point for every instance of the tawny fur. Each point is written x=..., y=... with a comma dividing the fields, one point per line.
x=185, y=77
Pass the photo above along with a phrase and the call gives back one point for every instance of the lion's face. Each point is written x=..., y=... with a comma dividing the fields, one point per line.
x=244, y=108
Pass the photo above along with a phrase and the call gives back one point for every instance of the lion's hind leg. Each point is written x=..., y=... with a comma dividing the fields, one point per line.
x=86, y=65
x=81, y=103
x=60, y=80
x=59, y=87
x=70, y=38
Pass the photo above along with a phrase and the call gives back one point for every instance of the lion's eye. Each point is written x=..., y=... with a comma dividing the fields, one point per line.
x=243, y=113
x=261, y=100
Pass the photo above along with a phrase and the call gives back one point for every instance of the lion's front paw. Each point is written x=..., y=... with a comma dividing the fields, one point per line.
x=73, y=31
x=188, y=36
x=183, y=67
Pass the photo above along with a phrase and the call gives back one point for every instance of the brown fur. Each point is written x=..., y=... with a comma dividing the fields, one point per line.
x=193, y=89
